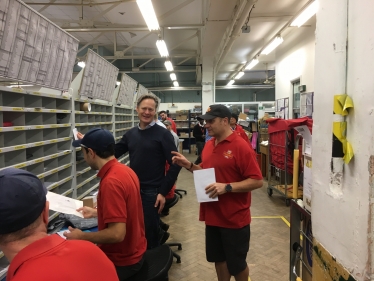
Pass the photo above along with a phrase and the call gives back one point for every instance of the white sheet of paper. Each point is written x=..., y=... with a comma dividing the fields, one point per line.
x=202, y=179
x=307, y=136
x=63, y=204
x=75, y=132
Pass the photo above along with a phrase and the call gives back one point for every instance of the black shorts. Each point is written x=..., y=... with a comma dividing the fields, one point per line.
x=229, y=245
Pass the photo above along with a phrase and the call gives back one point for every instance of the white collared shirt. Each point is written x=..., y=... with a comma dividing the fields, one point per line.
x=148, y=126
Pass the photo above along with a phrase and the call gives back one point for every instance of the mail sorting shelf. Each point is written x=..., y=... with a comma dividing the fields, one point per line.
x=35, y=135
x=123, y=121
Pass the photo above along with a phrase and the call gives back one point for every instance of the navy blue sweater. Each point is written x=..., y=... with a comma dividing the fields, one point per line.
x=149, y=150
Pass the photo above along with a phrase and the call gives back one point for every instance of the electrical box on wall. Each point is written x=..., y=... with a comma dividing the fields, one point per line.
x=302, y=88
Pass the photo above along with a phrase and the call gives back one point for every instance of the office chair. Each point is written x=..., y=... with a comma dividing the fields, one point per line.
x=169, y=204
x=156, y=265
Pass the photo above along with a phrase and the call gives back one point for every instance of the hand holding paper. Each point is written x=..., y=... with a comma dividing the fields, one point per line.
x=202, y=179
x=63, y=204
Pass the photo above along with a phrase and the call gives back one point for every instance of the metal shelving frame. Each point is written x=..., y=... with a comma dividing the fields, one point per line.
x=40, y=139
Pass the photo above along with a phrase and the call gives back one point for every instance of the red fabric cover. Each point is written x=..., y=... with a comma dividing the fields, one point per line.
x=277, y=129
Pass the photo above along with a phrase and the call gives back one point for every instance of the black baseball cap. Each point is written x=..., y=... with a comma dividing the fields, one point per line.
x=22, y=199
x=97, y=139
x=216, y=110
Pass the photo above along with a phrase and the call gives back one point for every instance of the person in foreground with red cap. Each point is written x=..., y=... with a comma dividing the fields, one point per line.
x=227, y=220
x=119, y=211
x=34, y=255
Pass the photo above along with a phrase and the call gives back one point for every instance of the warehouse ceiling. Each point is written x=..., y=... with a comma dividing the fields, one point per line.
x=191, y=29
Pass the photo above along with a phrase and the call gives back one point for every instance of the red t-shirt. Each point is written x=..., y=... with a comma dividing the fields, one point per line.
x=57, y=259
x=240, y=131
x=172, y=190
x=173, y=126
x=233, y=161
x=119, y=200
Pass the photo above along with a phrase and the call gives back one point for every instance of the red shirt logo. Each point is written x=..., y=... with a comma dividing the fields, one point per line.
x=228, y=154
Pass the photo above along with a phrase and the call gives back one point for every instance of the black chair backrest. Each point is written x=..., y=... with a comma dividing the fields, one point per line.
x=157, y=263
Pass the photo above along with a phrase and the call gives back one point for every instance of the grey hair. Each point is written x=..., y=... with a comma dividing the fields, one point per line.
x=148, y=96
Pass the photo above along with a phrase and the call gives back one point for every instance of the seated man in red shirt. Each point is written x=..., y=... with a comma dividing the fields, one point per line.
x=121, y=233
x=34, y=255
x=237, y=173
x=235, y=127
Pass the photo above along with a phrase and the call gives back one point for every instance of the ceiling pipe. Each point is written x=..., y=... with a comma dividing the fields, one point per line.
x=235, y=32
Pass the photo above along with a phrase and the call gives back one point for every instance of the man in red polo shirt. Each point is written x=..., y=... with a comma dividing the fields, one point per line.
x=236, y=128
x=121, y=233
x=164, y=117
x=34, y=255
x=237, y=173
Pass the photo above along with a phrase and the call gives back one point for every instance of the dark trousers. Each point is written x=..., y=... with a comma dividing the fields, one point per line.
x=125, y=272
x=200, y=146
x=151, y=216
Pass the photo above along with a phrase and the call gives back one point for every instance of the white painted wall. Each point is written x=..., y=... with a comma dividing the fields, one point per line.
x=340, y=214
x=295, y=59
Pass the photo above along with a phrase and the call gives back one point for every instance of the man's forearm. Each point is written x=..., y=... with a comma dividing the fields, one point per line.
x=105, y=236
x=246, y=185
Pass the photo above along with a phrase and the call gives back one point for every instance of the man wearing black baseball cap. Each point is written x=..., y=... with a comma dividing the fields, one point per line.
x=237, y=174
x=34, y=255
x=121, y=233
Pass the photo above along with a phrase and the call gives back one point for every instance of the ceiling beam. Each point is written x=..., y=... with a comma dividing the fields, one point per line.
x=194, y=88
x=186, y=59
x=126, y=28
x=173, y=10
x=104, y=12
x=148, y=56
x=157, y=71
x=78, y=4
x=89, y=43
x=46, y=6
x=174, y=47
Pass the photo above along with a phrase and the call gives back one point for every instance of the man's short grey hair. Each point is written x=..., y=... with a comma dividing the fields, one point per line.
x=148, y=96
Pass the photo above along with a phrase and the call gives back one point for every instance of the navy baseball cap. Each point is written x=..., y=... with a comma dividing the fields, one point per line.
x=216, y=110
x=97, y=139
x=22, y=199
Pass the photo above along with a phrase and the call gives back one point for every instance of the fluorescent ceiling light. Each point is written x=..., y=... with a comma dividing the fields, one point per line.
x=272, y=45
x=118, y=83
x=19, y=86
x=169, y=66
x=161, y=46
x=173, y=76
x=308, y=12
x=231, y=82
x=252, y=64
x=176, y=84
x=239, y=75
x=81, y=64
x=148, y=13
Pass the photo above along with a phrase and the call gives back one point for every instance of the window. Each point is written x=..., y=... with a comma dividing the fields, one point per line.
x=296, y=99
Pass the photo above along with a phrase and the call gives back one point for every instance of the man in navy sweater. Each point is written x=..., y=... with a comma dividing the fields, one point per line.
x=149, y=148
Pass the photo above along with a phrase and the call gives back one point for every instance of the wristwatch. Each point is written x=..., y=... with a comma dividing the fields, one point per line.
x=228, y=187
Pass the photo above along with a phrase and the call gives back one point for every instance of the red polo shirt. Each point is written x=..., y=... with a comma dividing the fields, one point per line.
x=173, y=126
x=119, y=200
x=234, y=161
x=240, y=131
x=54, y=258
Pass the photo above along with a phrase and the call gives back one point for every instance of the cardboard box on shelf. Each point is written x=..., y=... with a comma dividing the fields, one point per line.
x=243, y=116
x=264, y=137
x=264, y=149
x=90, y=201
x=181, y=117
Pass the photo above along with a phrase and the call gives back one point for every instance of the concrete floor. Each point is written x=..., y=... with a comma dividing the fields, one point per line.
x=268, y=256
